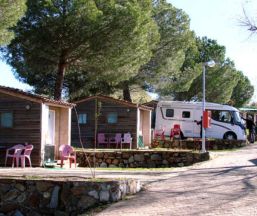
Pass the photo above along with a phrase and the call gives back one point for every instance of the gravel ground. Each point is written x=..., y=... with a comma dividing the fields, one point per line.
x=225, y=185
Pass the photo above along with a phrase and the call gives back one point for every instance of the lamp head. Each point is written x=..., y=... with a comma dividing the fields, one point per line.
x=210, y=63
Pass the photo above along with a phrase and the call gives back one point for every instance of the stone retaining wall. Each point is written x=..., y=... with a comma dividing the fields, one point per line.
x=139, y=158
x=217, y=144
x=37, y=197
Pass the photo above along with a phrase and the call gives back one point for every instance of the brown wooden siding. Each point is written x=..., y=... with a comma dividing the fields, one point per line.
x=26, y=126
x=127, y=122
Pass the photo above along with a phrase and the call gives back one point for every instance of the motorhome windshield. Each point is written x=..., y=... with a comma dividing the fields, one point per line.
x=237, y=117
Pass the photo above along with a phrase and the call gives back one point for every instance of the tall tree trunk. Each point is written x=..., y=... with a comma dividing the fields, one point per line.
x=126, y=91
x=59, y=80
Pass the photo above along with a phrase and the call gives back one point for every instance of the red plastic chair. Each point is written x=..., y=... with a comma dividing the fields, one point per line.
x=115, y=140
x=175, y=131
x=127, y=139
x=26, y=154
x=159, y=133
x=14, y=153
x=101, y=139
x=67, y=153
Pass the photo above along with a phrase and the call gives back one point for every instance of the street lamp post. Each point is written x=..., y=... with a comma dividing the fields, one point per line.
x=209, y=64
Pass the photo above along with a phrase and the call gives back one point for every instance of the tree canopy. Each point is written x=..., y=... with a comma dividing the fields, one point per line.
x=10, y=13
x=84, y=47
x=82, y=39
x=243, y=91
x=168, y=54
x=222, y=81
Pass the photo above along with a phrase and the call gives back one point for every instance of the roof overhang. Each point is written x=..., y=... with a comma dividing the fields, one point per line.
x=33, y=97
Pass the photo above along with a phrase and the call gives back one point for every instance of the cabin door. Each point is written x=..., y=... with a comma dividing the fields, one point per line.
x=51, y=128
x=49, y=147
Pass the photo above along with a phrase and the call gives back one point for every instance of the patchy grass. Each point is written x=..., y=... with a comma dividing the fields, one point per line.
x=32, y=177
x=226, y=150
x=98, y=209
x=135, y=169
x=134, y=150
x=95, y=210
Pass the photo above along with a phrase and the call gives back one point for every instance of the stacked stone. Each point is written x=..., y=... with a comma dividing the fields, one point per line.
x=33, y=198
x=217, y=144
x=143, y=159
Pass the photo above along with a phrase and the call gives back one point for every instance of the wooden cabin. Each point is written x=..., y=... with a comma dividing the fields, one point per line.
x=103, y=114
x=27, y=118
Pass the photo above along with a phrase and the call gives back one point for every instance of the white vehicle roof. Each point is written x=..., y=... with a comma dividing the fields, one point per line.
x=192, y=104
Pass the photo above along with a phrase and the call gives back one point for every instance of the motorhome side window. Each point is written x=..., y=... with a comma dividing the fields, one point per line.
x=185, y=114
x=221, y=116
x=169, y=112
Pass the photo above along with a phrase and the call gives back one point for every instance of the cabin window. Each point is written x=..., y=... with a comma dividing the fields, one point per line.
x=185, y=114
x=6, y=120
x=222, y=116
x=82, y=118
x=169, y=112
x=112, y=118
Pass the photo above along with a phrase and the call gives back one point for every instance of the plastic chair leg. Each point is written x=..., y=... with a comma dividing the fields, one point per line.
x=17, y=162
x=61, y=162
x=12, y=162
x=23, y=165
x=29, y=162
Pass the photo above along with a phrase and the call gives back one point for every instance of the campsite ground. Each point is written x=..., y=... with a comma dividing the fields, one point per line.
x=225, y=185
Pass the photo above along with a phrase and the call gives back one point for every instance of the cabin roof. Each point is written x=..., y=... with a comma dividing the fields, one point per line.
x=33, y=97
x=114, y=100
x=152, y=103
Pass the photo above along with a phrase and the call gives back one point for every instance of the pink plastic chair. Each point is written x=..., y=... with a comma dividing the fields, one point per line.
x=102, y=139
x=26, y=154
x=127, y=139
x=67, y=153
x=14, y=153
x=115, y=140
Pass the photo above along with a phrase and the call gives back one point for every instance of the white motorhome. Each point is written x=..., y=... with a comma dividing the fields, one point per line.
x=226, y=122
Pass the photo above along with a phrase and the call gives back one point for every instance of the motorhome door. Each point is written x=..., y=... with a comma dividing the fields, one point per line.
x=187, y=124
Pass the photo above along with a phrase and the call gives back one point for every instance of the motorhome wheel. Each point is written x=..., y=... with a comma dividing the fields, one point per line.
x=230, y=136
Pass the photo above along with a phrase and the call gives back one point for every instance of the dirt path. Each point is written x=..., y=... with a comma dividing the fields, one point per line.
x=226, y=185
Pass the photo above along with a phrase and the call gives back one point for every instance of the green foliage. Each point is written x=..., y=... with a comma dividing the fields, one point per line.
x=138, y=95
x=84, y=47
x=163, y=69
x=243, y=91
x=168, y=55
x=222, y=82
x=60, y=41
x=209, y=49
x=10, y=13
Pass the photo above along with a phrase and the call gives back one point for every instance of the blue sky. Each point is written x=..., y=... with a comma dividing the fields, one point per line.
x=216, y=19
x=8, y=79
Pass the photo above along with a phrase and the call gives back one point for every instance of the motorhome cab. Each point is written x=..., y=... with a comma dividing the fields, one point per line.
x=226, y=122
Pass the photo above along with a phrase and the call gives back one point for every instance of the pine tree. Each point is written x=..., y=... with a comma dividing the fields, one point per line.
x=80, y=40
x=10, y=13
